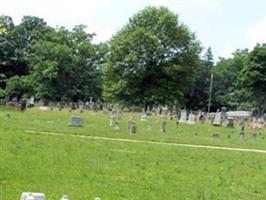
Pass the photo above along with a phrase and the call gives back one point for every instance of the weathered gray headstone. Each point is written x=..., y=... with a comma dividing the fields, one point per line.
x=111, y=120
x=242, y=136
x=116, y=125
x=217, y=119
x=129, y=124
x=254, y=137
x=163, y=126
x=76, y=121
x=230, y=122
x=133, y=128
x=23, y=105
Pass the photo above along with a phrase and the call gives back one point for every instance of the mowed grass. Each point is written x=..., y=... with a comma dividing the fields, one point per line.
x=97, y=124
x=86, y=168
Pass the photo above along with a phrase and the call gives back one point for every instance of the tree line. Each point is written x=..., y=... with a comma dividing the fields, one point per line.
x=154, y=59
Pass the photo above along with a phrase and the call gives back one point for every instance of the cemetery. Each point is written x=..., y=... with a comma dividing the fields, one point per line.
x=101, y=168
x=140, y=109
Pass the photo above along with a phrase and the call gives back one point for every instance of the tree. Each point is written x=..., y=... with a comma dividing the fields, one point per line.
x=152, y=60
x=228, y=89
x=18, y=86
x=16, y=43
x=198, y=97
x=64, y=66
x=254, y=76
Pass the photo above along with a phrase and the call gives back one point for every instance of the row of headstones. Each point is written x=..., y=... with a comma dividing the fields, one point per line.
x=132, y=127
x=115, y=117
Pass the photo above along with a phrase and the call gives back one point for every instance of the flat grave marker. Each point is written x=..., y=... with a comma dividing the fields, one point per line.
x=76, y=121
x=32, y=196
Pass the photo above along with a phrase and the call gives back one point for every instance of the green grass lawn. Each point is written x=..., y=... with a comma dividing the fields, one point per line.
x=86, y=168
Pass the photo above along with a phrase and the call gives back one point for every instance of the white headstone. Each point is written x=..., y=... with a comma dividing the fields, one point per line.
x=144, y=117
x=183, y=117
x=31, y=100
x=191, y=118
x=32, y=196
x=217, y=119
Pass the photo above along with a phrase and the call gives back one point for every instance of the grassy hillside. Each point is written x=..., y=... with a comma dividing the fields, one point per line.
x=86, y=168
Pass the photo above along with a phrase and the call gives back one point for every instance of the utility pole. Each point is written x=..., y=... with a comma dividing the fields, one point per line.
x=210, y=94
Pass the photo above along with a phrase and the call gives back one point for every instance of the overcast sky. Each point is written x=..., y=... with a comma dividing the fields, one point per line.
x=225, y=25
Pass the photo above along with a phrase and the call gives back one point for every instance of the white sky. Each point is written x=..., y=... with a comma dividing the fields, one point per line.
x=225, y=25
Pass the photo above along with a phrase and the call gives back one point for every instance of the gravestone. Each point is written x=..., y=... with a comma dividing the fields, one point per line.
x=202, y=117
x=73, y=106
x=199, y=115
x=111, y=120
x=215, y=135
x=230, y=122
x=64, y=197
x=44, y=108
x=129, y=124
x=31, y=102
x=183, y=117
x=32, y=196
x=163, y=126
x=242, y=132
x=254, y=137
x=61, y=106
x=164, y=112
x=228, y=136
x=133, y=128
x=116, y=125
x=191, y=118
x=144, y=117
x=223, y=114
x=23, y=105
x=254, y=123
x=76, y=121
x=242, y=136
x=97, y=198
x=217, y=119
